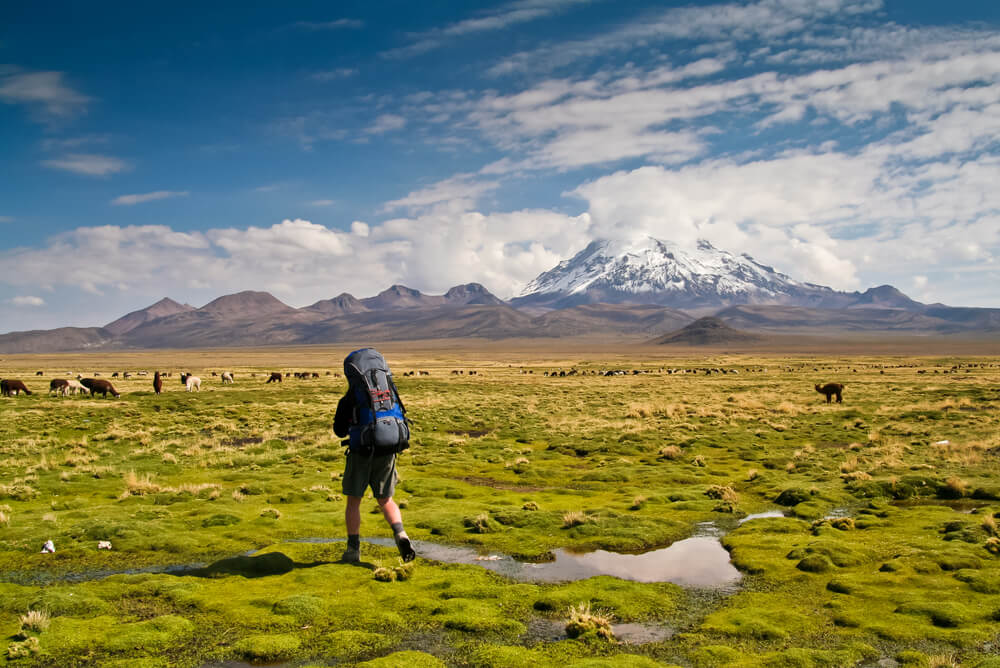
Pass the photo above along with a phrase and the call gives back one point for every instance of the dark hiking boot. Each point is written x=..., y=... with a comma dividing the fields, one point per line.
x=352, y=555
x=405, y=549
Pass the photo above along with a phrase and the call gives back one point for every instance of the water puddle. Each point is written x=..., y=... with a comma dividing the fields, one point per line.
x=699, y=561
x=633, y=633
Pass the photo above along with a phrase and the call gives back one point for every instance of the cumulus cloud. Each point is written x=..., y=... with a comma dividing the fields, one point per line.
x=27, y=300
x=129, y=200
x=386, y=123
x=88, y=164
x=46, y=94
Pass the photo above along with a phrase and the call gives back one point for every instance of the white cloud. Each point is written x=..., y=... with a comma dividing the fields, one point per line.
x=322, y=202
x=333, y=75
x=130, y=200
x=338, y=24
x=88, y=164
x=386, y=123
x=459, y=192
x=27, y=300
x=68, y=143
x=46, y=93
x=360, y=229
x=764, y=19
x=513, y=13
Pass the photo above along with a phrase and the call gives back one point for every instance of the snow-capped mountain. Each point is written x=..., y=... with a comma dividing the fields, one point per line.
x=651, y=271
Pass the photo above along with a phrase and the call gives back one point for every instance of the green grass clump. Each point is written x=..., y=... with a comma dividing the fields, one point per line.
x=267, y=647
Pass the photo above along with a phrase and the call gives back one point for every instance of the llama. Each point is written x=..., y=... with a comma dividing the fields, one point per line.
x=831, y=389
x=10, y=388
x=74, y=386
x=227, y=377
x=192, y=383
x=157, y=383
x=99, y=385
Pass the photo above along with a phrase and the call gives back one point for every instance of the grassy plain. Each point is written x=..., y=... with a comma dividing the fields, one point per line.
x=512, y=462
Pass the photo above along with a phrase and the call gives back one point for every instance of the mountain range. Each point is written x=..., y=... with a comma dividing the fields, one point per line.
x=641, y=289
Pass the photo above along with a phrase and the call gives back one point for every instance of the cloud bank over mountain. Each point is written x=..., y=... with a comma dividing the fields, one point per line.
x=846, y=143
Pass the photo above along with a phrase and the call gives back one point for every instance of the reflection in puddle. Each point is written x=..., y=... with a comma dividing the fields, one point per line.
x=763, y=515
x=700, y=561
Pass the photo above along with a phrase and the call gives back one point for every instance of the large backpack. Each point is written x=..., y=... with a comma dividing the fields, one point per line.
x=380, y=426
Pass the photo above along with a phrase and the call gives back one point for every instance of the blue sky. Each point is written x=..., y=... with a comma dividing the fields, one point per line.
x=309, y=149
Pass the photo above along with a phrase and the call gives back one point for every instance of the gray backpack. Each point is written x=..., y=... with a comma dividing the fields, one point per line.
x=380, y=426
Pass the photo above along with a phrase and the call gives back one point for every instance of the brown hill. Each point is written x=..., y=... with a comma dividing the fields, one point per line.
x=64, y=339
x=609, y=318
x=796, y=319
x=472, y=293
x=339, y=305
x=707, y=332
x=160, y=309
x=400, y=296
x=247, y=304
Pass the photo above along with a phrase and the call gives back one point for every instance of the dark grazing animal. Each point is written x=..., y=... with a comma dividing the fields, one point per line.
x=9, y=388
x=99, y=386
x=274, y=378
x=157, y=383
x=831, y=389
x=59, y=385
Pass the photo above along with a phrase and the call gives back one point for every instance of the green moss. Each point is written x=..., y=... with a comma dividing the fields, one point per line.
x=409, y=658
x=352, y=645
x=477, y=617
x=792, y=496
x=305, y=608
x=815, y=563
x=913, y=658
x=941, y=613
x=710, y=656
x=267, y=647
x=220, y=520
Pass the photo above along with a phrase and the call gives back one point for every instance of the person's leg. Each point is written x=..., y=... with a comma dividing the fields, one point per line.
x=395, y=519
x=352, y=518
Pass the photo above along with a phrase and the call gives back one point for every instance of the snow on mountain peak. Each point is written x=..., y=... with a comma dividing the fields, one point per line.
x=647, y=267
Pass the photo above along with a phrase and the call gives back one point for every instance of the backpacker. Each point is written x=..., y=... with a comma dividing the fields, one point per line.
x=380, y=425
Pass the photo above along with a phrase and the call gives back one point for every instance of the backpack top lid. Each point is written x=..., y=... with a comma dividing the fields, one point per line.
x=364, y=359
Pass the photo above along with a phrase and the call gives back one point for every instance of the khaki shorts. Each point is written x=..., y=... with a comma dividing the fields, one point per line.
x=379, y=473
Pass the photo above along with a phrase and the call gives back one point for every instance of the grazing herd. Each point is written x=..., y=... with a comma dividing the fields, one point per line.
x=93, y=385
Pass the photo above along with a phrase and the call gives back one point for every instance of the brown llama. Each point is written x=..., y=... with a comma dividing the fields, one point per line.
x=831, y=389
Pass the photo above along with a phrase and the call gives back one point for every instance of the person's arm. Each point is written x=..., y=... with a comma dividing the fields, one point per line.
x=345, y=414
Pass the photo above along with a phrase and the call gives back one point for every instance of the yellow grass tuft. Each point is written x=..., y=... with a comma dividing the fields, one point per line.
x=670, y=452
x=575, y=518
x=34, y=620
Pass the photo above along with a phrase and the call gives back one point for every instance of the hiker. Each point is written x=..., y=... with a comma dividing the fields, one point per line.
x=372, y=416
